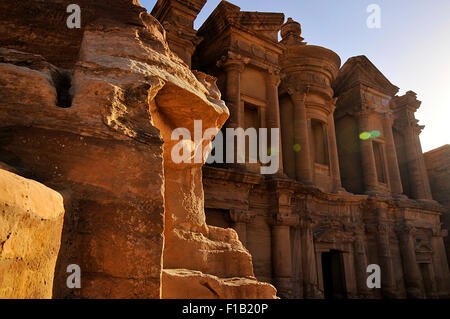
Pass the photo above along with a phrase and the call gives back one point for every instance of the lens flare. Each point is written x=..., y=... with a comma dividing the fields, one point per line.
x=272, y=151
x=365, y=136
x=297, y=148
x=375, y=134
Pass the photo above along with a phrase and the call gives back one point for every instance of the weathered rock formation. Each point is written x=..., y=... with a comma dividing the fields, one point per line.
x=92, y=112
x=31, y=220
x=89, y=112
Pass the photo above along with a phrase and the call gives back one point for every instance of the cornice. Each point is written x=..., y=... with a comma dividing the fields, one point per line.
x=228, y=16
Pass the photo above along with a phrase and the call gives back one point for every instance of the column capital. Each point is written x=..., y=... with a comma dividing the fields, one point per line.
x=413, y=125
x=388, y=118
x=405, y=230
x=332, y=105
x=273, y=77
x=439, y=232
x=380, y=228
x=384, y=228
x=285, y=220
x=232, y=61
x=241, y=216
x=306, y=222
x=297, y=93
x=357, y=229
x=409, y=122
x=359, y=244
x=364, y=113
x=333, y=101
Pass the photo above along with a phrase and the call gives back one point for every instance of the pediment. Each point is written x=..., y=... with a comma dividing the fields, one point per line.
x=330, y=235
x=260, y=24
x=423, y=246
x=359, y=71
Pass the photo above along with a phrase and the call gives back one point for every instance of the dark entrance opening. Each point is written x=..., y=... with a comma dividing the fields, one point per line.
x=333, y=275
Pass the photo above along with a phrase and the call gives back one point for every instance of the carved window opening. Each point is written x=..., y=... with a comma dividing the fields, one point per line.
x=251, y=120
x=379, y=162
x=320, y=145
x=63, y=82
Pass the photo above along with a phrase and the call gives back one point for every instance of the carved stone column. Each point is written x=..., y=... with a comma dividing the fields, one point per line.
x=309, y=267
x=321, y=292
x=367, y=155
x=413, y=277
x=404, y=108
x=273, y=110
x=334, y=158
x=388, y=285
x=420, y=186
x=177, y=18
x=440, y=264
x=359, y=248
x=309, y=71
x=281, y=254
x=234, y=65
x=351, y=289
x=430, y=284
x=303, y=162
x=240, y=220
x=391, y=155
x=382, y=231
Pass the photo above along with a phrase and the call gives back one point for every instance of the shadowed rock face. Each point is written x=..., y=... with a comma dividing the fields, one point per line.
x=90, y=113
x=40, y=26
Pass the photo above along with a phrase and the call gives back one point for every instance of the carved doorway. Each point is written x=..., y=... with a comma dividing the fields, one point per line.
x=333, y=275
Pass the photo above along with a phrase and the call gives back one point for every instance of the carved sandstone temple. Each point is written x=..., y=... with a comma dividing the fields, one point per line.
x=87, y=177
x=352, y=188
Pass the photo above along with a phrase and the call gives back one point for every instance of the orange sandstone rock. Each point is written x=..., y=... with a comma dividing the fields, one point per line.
x=182, y=283
x=96, y=125
x=31, y=219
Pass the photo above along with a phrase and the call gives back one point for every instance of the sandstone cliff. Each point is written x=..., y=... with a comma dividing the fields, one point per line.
x=31, y=219
x=89, y=112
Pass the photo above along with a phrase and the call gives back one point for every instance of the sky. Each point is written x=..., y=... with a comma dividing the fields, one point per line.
x=411, y=47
